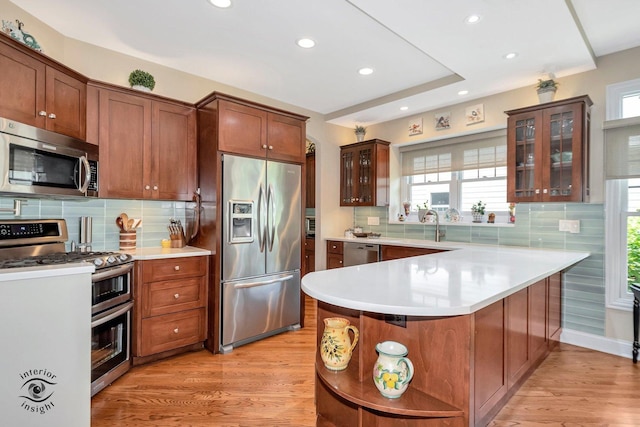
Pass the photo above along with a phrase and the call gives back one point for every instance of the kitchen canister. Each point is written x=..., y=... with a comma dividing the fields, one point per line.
x=336, y=345
x=127, y=240
x=392, y=371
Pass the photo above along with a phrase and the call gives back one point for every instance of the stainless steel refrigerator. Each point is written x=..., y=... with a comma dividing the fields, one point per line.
x=260, y=277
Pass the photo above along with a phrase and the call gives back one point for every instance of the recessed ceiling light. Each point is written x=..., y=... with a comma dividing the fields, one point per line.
x=404, y=108
x=463, y=92
x=365, y=71
x=306, y=43
x=472, y=19
x=220, y=3
x=511, y=55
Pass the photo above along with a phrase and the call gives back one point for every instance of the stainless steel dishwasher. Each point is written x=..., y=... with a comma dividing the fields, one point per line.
x=360, y=253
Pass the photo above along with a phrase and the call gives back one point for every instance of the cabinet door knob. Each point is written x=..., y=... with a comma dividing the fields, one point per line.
x=537, y=191
x=264, y=146
x=176, y=296
x=333, y=246
x=155, y=187
x=52, y=116
x=544, y=191
x=340, y=261
x=271, y=147
x=42, y=113
x=176, y=268
x=147, y=187
x=176, y=330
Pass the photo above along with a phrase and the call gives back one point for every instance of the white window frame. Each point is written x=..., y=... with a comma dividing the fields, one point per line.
x=616, y=265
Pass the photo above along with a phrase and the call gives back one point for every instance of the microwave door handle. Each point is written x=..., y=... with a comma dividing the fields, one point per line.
x=87, y=175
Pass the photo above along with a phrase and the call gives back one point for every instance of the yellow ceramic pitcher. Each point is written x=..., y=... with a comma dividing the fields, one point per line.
x=336, y=346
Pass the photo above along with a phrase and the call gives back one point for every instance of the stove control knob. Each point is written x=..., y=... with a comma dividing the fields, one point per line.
x=98, y=262
x=111, y=259
x=123, y=257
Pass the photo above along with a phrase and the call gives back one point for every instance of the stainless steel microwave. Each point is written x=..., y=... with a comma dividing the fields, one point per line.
x=38, y=162
x=310, y=225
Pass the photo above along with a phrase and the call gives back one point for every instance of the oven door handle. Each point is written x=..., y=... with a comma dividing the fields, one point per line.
x=112, y=272
x=111, y=314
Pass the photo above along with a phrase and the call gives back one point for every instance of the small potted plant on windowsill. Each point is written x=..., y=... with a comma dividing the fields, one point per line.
x=360, y=131
x=142, y=80
x=422, y=212
x=477, y=211
x=546, y=90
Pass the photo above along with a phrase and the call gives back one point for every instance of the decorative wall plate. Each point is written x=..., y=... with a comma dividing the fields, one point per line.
x=16, y=31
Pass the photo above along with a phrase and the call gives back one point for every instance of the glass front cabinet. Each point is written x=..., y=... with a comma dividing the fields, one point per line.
x=364, y=173
x=548, y=152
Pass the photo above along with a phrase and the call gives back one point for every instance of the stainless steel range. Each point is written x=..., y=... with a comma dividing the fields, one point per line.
x=34, y=243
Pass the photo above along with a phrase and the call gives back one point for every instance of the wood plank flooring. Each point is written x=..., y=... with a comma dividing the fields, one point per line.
x=271, y=383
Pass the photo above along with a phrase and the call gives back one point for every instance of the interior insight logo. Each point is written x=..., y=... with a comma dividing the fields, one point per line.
x=37, y=390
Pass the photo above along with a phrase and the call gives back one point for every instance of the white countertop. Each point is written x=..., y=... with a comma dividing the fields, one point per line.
x=455, y=282
x=27, y=273
x=160, y=253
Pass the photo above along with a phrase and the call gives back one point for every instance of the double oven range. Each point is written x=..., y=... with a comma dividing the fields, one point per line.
x=33, y=243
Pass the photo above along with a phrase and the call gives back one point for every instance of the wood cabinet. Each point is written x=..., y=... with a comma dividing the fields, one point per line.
x=364, y=173
x=147, y=145
x=474, y=363
x=309, y=264
x=388, y=252
x=248, y=129
x=170, y=306
x=548, y=152
x=310, y=185
x=335, y=251
x=40, y=92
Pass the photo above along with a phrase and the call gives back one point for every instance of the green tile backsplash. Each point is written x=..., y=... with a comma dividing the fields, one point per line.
x=536, y=227
x=155, y=218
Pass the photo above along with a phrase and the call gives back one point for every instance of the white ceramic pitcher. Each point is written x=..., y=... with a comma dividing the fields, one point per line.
x=392, y=371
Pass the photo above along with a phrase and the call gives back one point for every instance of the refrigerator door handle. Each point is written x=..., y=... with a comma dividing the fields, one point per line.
x=263, y=282
x=272, y=213
x=261, y=228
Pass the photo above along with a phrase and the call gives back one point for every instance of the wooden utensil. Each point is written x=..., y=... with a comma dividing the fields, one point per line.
x=125, y=221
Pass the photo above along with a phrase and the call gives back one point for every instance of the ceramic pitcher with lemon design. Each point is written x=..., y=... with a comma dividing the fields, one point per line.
x=336, y=345
x=392, y=371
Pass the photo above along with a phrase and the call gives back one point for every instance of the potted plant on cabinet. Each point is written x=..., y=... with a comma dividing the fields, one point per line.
x=360, y=131
x=142, y=80
x=477, y=211
x=546, y=90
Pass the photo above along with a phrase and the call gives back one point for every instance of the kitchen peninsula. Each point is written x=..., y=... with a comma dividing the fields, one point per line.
x=477, y=321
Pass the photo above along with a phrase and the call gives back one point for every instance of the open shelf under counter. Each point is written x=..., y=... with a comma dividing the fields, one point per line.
x=412, y=403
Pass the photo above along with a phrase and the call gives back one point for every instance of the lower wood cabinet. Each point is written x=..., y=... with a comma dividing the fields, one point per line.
x=388, y=252
x=309, y=256
x=335, y=254
x=170, y=310
x=466, y=367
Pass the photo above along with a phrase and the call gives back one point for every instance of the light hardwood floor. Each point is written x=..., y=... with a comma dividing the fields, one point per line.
x=271, y=383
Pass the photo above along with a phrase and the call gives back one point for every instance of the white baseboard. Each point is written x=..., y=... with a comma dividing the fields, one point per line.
x=598, y=343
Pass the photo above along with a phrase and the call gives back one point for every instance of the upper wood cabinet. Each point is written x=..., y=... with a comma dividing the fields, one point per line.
x=147, y=145
x=548, y=152
x=40, y=92
x=259, y=131
x=364, y=173
x=310, y=183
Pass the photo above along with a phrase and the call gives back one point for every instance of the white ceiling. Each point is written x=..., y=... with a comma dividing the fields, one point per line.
x=422, y=51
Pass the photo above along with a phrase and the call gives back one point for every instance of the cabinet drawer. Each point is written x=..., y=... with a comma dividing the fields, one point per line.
x=171, y=331
x=334, y=247
x=173, y=296
x=173, y=268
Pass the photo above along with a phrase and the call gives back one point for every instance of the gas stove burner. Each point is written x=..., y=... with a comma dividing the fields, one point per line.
x=98, y=259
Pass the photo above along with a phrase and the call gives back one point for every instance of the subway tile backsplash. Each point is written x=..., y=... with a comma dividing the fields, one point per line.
x=155, y=217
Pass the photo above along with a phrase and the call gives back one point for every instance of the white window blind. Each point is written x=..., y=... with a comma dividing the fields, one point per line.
x=487, y=150
x=622, y=148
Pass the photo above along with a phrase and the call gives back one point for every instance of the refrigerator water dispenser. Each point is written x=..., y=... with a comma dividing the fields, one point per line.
x=240, y=221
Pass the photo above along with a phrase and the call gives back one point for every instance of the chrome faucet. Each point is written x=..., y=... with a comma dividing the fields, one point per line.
x=439, y=234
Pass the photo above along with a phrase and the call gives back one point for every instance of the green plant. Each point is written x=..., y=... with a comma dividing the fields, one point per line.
x=548, y=84
x=142, y=78
x=360, y=129
x=424, y=205
x=478, y=207
x=633, y=249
